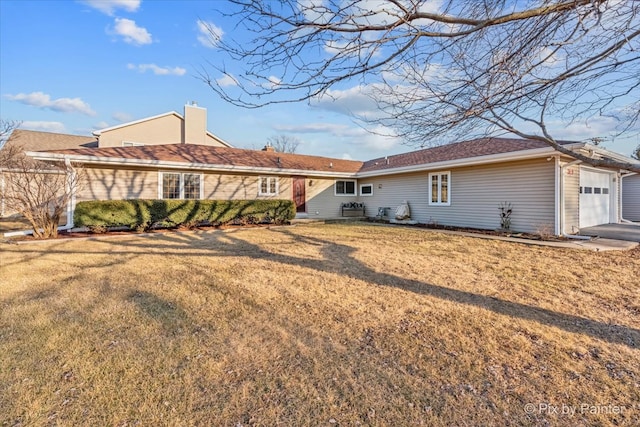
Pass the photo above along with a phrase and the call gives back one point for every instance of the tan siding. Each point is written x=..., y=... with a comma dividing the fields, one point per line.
x=241, y=187
x=476, y=193
x=571, y=193
x=631, y=198
x=161, y=130
x=115, y=184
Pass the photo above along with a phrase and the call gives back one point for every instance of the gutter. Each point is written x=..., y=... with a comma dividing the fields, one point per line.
x=42, y=155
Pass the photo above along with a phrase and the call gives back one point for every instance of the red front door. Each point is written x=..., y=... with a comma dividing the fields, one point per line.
x=299, y=196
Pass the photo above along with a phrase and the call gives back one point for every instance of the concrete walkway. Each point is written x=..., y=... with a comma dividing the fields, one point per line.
x=630, y=232
x=590, y=245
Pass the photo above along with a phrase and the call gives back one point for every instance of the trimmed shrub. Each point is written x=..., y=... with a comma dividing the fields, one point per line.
x=145, y=214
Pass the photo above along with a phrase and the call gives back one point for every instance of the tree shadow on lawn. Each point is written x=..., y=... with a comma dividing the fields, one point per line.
x=338, y=258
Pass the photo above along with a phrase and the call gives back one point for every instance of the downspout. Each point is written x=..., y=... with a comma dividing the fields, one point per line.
x=562, y=219
x=71, y=206
x=559, y=210
x=622, y=220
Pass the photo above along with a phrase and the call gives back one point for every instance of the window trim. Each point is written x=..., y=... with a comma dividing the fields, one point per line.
x=367, y=194
x=182, y=174
x=355, y=188
x=269, y=179
x=440, y=174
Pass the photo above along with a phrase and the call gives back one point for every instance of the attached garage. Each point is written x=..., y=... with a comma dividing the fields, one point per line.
x=595, y=197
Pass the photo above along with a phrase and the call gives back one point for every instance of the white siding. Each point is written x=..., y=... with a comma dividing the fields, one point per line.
x=631, y=198
x=476, y=193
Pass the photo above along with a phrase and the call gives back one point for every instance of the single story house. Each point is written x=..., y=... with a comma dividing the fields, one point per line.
x=460, y=184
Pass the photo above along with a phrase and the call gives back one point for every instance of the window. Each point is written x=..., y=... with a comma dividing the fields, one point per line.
x=345, y=188
x=268, y=186
x=174, y=185
x=366, y=190
x=131, y=144
x=191, y=185
x=439, y=186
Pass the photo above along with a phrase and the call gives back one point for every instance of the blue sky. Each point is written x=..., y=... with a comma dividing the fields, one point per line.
x=78, y=66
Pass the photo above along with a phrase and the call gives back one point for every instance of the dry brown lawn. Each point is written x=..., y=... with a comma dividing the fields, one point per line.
x=317, y=325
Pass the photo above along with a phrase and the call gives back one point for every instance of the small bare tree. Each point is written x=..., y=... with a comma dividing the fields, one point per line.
x=284, y=143
x=6, y=127
x=444, y=69
x=37, y=190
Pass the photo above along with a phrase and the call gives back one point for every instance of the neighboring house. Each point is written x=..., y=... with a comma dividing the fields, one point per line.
x=631, y=197
x=167, y=128
x=460, y=184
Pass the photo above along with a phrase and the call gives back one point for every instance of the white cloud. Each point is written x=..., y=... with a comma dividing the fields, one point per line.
x=55, y=127
x=63, y=105
x=100, y=125
x=209, y=34
x=372, y=141
x=598, y=126
x=131, y=33
x=227, y=80
x=108, y=7
x=353, y=101
x=157, y=70
x=121, y=117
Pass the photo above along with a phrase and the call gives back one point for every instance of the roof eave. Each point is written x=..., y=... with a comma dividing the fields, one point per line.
x=163, y=164
x=135, y=122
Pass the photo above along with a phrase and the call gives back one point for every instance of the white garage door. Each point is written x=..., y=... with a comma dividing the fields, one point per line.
x=594, y=197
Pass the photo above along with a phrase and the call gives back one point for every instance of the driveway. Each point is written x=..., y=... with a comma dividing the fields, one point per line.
x=630, y=232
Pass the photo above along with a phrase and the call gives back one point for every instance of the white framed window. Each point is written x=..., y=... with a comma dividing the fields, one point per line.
x=132, y=144
x=366, y=190
x=345, y=188
x=440, y=188
x=268, y=186
x=180, y=185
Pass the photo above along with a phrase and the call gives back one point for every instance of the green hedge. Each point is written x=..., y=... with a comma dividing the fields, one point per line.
x=171, y=213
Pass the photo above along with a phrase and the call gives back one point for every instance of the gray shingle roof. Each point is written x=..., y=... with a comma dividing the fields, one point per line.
x=455, y=151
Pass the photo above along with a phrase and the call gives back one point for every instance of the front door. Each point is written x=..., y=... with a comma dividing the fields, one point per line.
x=299, y=195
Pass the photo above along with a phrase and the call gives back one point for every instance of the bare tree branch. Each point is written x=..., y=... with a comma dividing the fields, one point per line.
x=6, y=128
x=443, y=69
x=283, y=143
